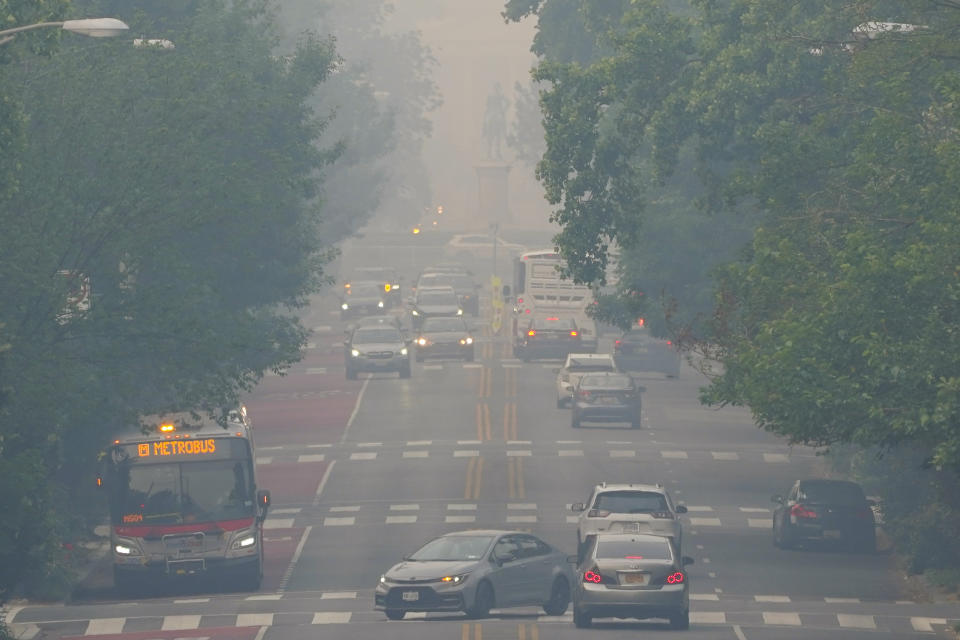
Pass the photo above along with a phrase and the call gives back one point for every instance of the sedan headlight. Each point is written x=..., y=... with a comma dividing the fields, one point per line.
x=354, y=353
x=244, y=542
x=459, y=312
x=454, y=579
x=383, y=579
x=415, y=312
x=344, y=306
x=403, y=351
x=380, y=304
x=467, y=340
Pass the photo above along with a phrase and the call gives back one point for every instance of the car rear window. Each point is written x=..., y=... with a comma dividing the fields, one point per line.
x=630, y=502
x=832, y=493
x=635, y=549
x=593, y=364
x=619, y=383
x=553, y=322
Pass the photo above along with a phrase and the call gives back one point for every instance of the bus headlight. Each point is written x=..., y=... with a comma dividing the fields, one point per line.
x=344, y=306
x=243, y=542
x=124, y=550
x=415, y=312
x=459, y=312
x=354, y=353
x=403, y=351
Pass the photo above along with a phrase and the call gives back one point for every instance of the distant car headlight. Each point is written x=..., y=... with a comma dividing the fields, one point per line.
x=354, y=353
x=380, y=304
x=459, y=312
x=344, y=306
x=383, y=579
x=403, y=351
x=454, y=579
x=422, y=341
x=468, y=340
x=414, y=312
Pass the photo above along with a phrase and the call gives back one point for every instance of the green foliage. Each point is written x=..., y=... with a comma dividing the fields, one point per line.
x=186, y=185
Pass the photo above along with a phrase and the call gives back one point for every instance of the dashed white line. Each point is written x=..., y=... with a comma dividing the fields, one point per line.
x=461, y=507
x=315, y=457
x=570, y=453
x=281, y=523
x=842, y=600
x=339, y=522
x=346, y=509
x=924, y=624
x=285, y=511
x=706, y=597
x=364, y=455
x=416, y=454
x=401, y=519
x=775, y=457
x=404, y=507
x=338, y=595
x=780, y=599
x=466, y=453
x=263, y=596
x=369, y=444
x=856, y=621
x=105, y=626
x=619, y=453
x=332, y=617
x=725, y=455
x=254, y=620
x=705, y=522
x=420, y=443
x=708, y=617
x=262, y=461
x=754, y=510
x=180, y=623
x=781, y=618
x=460, y=519
x=519, y=453
x=674, y=455
x=521, y=518
x=692, y=508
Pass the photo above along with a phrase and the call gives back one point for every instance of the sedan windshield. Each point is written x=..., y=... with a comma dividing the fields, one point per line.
x=844, y=493
x=619, y=383
x=377, y=336
x=444, y=324
x=630, y=502
x=592, y=364
x=365, y=290
x=451, y=548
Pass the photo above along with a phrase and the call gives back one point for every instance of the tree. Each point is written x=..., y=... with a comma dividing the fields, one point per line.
x=190, y=201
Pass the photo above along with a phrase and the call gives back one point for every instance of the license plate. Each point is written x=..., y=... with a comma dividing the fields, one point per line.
x=832, y=534
x=633, y=578
x=411, y=596
x=608, y=400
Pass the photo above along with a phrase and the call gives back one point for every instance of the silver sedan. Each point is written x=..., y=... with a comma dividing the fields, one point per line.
x=474, y=571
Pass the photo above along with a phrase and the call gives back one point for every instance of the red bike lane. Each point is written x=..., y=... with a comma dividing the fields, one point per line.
x=293, y=416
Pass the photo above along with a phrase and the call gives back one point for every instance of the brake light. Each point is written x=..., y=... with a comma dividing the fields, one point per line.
x=616, y=342
x=531, y=332
x=527, y=311
x=519, y=300
x=574, y=334
x=584, y=394
x=633, y=557
x=675, y=578
x=639, y=322
x=669, y=342
x=553, y=319
x=592, y=575
x=597, y=513
x=799, y=511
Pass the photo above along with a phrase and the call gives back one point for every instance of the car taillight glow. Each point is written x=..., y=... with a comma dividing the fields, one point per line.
x=584, y=394
x=799, y=511
x=865, y=513
x=616, y=342
x=592, y=576
x=633, y=557
x=669, y=342
x=574, y=334
x=531, y=332
x=597, y=513
x=519, y=300
x=675, y=578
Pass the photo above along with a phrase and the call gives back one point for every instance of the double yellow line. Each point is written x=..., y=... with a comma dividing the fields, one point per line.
x=510, y=430
x=483, y=421
x=474, y=475
x=485, y=386
x=474, y=631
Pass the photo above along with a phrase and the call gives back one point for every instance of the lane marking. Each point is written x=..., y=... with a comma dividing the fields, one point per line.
x=464, y=453
x=281, y=523
x=263, y=461
x=519, y=453
x=416, y=454
x=461, y=507
x=850, y=620
x=323, y=483
x=338, y=595
x=522, y=506
x=339, y=522
x=619, y=453
x=332, y=617
x=760, y=523
x=705, y=522
x=254, y=620
x=105, y=626
x=420, y=443
x=363, y=455
x=674, y=455
x=692, y=508
x=369, y=444
x=781, y=618
x=711, y=597
x=842, y=600
x=349, y=509
x=725, y=455
x=292, y=510
x=570, y=453
x=317, y=457
x=775, y=457
x=708, y=617
x=296, y=557
x=404, y=507
x=754, y=510
x=739, y=632
x=401, y=519
x=180, y=623
x=265, y=596
x=780, y=599
x=521, y=518
x=356, y=409
x=459, y=519
x=924, y=624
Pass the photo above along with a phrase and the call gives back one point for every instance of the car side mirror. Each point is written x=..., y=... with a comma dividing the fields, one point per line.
x=577, y=507
x=777, y=498
x=686, y=560
x=263, y=504
x=681, y=508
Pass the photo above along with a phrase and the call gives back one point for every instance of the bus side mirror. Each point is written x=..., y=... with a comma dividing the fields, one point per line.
x=263, y=502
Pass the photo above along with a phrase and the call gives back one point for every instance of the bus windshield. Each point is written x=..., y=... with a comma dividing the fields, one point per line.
x=179, y=493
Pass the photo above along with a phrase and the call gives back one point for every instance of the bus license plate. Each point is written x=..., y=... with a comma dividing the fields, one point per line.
x=411, y=596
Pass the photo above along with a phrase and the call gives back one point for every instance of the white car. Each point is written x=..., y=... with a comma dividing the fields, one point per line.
x=573, y=369
x=628, y=508
x=478, y=245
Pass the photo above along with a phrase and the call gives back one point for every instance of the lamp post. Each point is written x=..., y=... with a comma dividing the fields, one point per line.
x=93, y=27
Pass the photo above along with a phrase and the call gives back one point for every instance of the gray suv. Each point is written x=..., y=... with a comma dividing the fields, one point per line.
x=377, y=348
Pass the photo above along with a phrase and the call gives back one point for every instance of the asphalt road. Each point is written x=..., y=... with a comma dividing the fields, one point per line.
x=363, y=472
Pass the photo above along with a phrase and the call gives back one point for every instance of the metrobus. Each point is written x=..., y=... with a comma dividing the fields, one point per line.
x=184, y=500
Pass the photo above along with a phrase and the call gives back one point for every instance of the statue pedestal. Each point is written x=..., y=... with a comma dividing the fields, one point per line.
x=492, y=191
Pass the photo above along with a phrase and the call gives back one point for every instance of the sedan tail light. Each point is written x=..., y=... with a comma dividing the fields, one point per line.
x=676, y=578
x=574, y=334
x=799, y=511
x=584, y=394
x=531, y=332
x=592, y=575
x=865, y=514
x=597, y=513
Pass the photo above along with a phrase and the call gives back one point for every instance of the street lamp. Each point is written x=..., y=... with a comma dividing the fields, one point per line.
x=93, y=27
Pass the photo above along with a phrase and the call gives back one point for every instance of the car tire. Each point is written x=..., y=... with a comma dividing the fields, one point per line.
x=680, y=621
x=574, y=420
x=125, y=583
x=351, y=373
x=637, y=422
x=582, y=619
x=559, y=598
x=783, y=540
x=395, y=614
x=483, y=601
x=405, y=371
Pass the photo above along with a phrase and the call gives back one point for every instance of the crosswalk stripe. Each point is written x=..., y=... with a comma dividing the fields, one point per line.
x=521, y=506
x=517, y=453
x=416, y=454
x=708, y=617
x=725, y=455
x=338, y=522
x=281, y=523
x=346, y=509
x=180, y=623
x=463, y=453
x=754, y=510
x=316, y=457
x=332, y=617
x=781, y=618
x=460, y=519
x=775, y=457
x=856, y=621
x=461, y=507
x=105, y=626
x=711, y=597
x=924, y=624
x=254, y=619
x=521, y=518
x=780, y=599
x=264, y=596
x=620, y=453
x=759, y=523
x=842, y=600
x=674, y=455
x=404, y=507
x=570, y=453
x=692, y=508
x=364, y=455
x=401, y=519
x=266, y=460
x=338, y=595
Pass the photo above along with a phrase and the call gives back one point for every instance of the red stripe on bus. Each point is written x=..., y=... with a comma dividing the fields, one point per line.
x=154, y=531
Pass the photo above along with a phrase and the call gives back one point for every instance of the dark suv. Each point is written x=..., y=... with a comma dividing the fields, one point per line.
x=818, y=510
x=606, y=397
